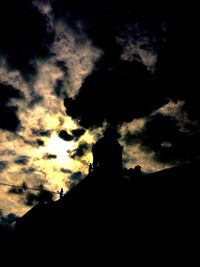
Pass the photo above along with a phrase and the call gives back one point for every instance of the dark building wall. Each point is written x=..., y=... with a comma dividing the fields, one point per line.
x=107, y=155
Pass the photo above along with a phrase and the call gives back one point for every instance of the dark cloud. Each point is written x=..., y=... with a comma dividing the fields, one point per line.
x=115, y=93
x=120, y=90
x=22, y=160
x=7, y=92
x=49, y=156
x=62, y=66
x=24, y=35
x=7, y=219
x=79, y=151
x=34, y=143
x=74, y=179
x=40, y=142
x=35, y=100
x=131, y=139
x=60, y=85
x=38, y=132
x=177, y=60
x=101, y=18
x=65, y=170
x=16, y=190
x=3, y=165
x=8, y=119
x=8, y=152
x=28, y=170
x=58, y=88
x=141, y=40
x=42, y=195
x=77, y=133
x=65, y=136
x=76, y=176
x=74, y=135
x=162, y=135
x=31, y=199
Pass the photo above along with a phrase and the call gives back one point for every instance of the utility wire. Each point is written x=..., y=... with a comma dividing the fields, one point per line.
x=25, y=188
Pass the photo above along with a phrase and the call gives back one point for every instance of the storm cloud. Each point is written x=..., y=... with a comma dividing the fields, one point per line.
x=22, y=160
x=21, y=43
x=49, y=156
x=7, y=219
x=73, y=135
x=65, y=136
x=79, y=152
x=38, y=132
x=74, y=179
x=8, y=119
x=163, y=136
x=66, y=70
x=3, y=165
x=77, y=133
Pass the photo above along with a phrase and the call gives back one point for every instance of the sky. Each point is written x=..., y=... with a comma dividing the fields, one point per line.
x=68, y=69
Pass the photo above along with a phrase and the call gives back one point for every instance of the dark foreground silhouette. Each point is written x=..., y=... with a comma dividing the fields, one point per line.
x=155, y=218
x=106, y=217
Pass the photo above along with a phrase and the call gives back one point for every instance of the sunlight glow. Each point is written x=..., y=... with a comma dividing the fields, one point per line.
x=59, y=147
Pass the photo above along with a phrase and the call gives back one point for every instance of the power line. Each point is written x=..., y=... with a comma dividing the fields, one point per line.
x=25, y=188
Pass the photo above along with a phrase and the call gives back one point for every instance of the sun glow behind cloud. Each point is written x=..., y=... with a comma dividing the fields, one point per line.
x=35, y=153
x=58, y=147
x=42, y=116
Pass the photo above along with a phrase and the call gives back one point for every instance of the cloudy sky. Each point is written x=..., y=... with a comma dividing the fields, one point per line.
x=68, y=69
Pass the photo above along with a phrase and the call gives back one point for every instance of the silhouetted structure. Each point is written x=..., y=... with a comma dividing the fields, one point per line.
x=158, y=212
x=107, y=154
x=133, y=175
x=138, y=172
x=90, y=168
x=61, y=193
x=101, y=213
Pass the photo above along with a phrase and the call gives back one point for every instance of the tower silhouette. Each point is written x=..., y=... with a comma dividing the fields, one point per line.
x=107, y=153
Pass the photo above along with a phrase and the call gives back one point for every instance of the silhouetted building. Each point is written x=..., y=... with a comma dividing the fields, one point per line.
x=158, y=211
x=107, y=154
x=133, y=175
